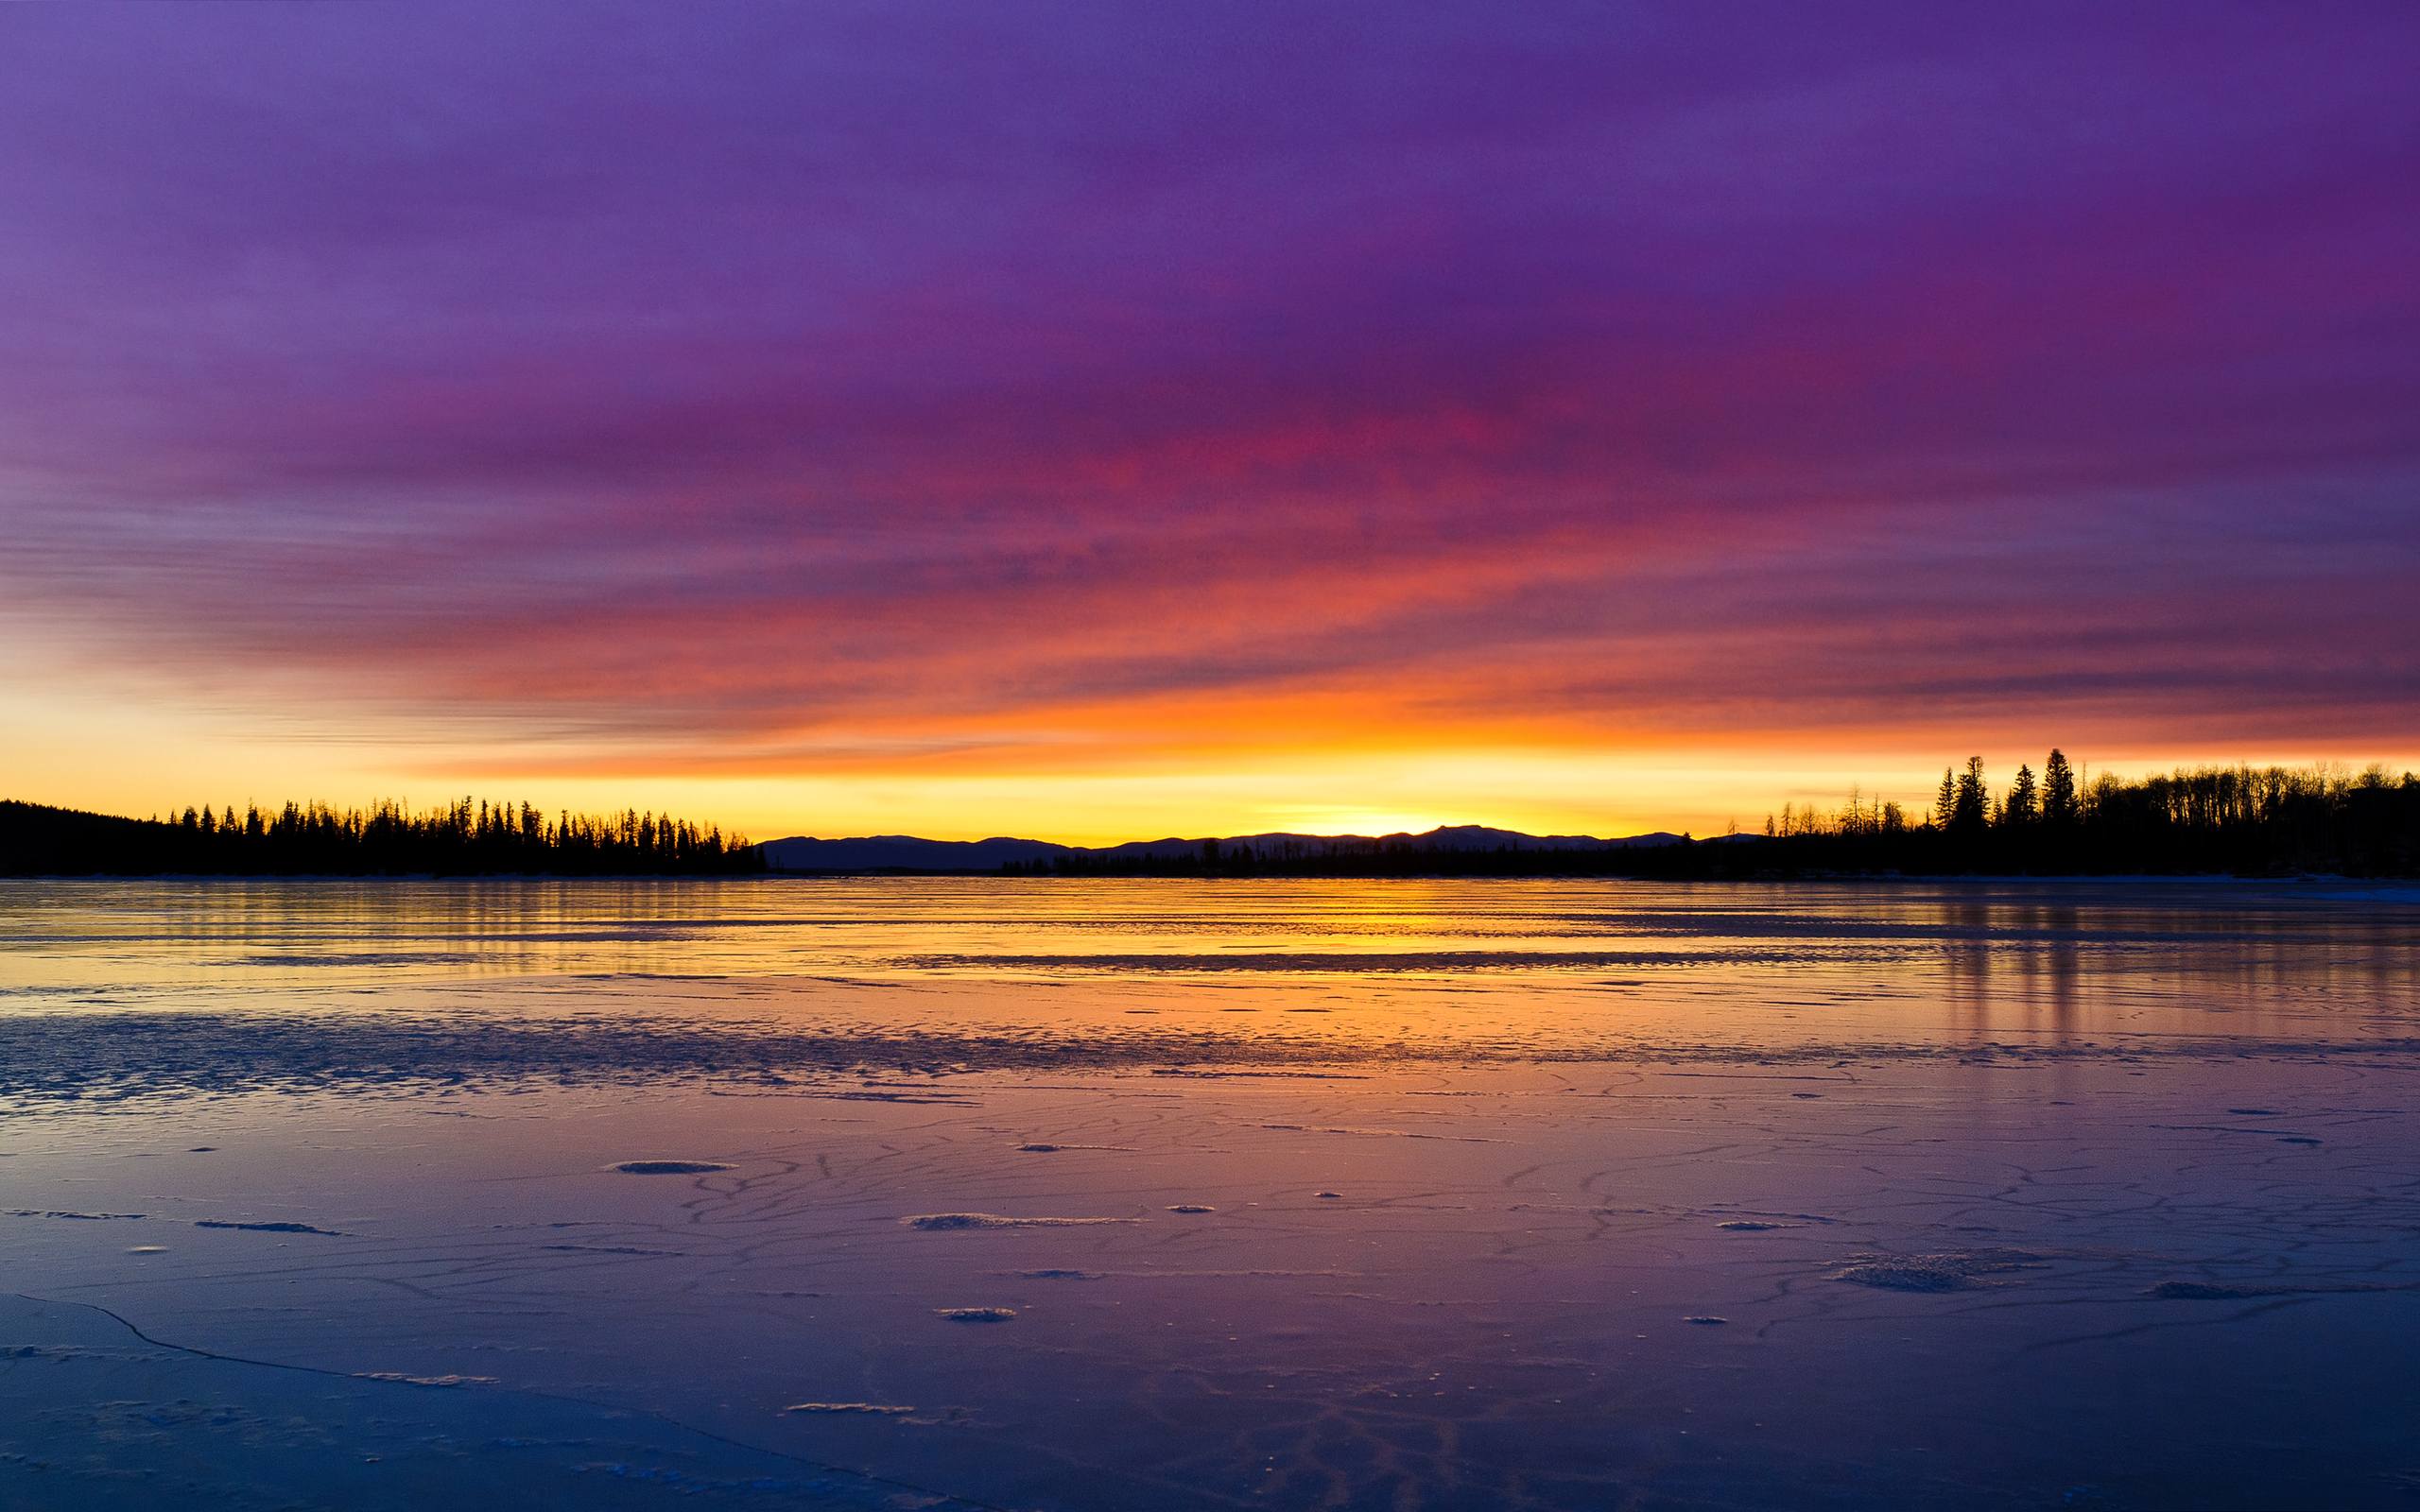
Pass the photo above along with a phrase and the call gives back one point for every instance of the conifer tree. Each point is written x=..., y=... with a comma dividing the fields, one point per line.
x=1971, y=810
x=2023, y=808
x=2058, y=791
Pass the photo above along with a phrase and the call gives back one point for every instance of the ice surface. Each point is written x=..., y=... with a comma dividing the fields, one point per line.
x=677, y=1194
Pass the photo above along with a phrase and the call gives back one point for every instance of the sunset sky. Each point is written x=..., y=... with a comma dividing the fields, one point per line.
x=1098, y=421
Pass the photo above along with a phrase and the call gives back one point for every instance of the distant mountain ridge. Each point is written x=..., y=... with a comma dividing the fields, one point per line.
x=907, y=852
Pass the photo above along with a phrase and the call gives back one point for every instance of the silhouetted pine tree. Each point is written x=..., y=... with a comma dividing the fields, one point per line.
x=2058, y=791
x=2022, y=808
x=1971, y=810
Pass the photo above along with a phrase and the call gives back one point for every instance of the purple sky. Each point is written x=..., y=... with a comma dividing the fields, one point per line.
x=882, y=400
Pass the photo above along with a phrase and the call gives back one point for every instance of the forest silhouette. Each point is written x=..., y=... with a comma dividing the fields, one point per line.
x=314, y=839
x=2245, y=820
x=2239, y=820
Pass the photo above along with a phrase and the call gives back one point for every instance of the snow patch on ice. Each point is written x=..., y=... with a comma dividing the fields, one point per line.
x=947, y=1221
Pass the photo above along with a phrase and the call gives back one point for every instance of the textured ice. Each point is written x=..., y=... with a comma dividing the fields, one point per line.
x=274, y=1227
x=1949, y=1271
x=866, y=1409
x=2062, y=1106
x=447, y=1381
x=943, y=1221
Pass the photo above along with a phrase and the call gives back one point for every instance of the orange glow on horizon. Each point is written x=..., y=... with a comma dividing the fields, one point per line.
x=117, y=756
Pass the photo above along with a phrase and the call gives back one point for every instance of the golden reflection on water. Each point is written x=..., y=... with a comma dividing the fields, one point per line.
x=1502, y=969
x=1342, y=1259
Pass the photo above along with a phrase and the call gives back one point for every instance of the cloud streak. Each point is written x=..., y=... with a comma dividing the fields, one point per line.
x=861, y=391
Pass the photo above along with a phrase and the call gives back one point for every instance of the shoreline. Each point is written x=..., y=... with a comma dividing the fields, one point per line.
x=1887, y=877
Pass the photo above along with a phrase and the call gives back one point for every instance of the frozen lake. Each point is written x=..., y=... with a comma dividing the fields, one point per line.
x=1191, y=1195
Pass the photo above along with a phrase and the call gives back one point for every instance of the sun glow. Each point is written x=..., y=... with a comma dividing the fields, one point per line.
x=1360, y=821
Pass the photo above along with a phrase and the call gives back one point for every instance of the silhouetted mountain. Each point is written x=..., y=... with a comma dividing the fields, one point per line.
x=904, y=853
x=2244, y=820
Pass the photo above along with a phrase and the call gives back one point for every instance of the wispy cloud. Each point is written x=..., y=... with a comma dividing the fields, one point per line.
x=846, y=392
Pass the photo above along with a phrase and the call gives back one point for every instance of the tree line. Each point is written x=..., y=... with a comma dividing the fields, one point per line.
x=462, y=838
x=2247, y=820
x=2238, y=820
x=2244, y=820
